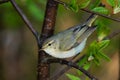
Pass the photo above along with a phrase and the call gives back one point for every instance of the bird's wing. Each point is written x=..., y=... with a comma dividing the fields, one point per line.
x=67, y=41
x=73, y=38
x=69, y=38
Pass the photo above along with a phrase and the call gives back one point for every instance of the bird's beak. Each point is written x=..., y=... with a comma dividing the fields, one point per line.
x=41, y=49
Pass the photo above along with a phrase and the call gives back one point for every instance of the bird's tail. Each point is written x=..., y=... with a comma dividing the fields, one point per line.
x=87, y=28
x=86, y=33
x=91, y=19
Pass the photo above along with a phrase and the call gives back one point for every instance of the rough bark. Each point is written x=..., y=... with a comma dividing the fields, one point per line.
x=47, y=31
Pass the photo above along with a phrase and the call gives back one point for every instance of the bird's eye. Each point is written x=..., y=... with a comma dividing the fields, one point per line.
x=49, y=44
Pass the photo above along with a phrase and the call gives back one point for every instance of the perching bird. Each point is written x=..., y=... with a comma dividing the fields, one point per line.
x=70, y=42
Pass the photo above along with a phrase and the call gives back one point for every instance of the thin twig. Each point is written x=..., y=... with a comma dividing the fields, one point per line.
x=86, y=10
x=113, y=34
x=3, y=1
x=72, y=64
x=118, y=20
x=24, y=18
x=57, y=74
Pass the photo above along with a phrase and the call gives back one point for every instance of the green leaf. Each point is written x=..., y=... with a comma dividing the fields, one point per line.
x=104, y=56
x=84, y=4
x=74, y=8
x=93, y=48
x=95, y=4
x=96, y=61
x=102, y=22
x=73, y=2
x=102, y=29
x=103, y=44
x=87, y=66
x=79, y=72
x=101, y=10
x=82, y=61
x=73, y=5
x=72, y=77
x=101, y=35
x=116, y=10
x=111, y=2
x=117, y=7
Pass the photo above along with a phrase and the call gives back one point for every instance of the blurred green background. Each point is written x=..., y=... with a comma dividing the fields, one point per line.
x=18, y=47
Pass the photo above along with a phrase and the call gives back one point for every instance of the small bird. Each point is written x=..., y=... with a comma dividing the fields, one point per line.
x=70, y=42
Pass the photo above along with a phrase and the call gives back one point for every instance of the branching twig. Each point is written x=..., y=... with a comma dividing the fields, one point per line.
x=66, y=6
x=24, y=18
x=71, y=64
x=3, y=1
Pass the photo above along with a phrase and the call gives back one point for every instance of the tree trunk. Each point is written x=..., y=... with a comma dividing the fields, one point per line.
x=47, y=31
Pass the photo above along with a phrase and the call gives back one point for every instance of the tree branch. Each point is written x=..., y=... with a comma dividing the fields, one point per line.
x=118, y=20
x=24, y=18
x=71, y=64
x=57, y=74
x=66, y=6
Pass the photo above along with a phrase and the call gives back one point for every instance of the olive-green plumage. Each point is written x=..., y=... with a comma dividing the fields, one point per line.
x=70, y=42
